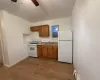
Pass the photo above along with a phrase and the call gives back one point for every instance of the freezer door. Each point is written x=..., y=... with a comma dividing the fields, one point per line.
x=65, y=35
x=65, y=51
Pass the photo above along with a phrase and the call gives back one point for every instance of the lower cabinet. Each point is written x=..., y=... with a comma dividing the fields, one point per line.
x=55, y=51
x=44, y=51
x=39, y=50
x=48, y=51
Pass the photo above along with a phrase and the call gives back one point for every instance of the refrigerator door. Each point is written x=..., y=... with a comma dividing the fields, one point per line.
x=65, y=51
x=65, y=35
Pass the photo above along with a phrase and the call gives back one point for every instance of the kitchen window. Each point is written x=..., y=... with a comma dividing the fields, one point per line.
x=55, y=29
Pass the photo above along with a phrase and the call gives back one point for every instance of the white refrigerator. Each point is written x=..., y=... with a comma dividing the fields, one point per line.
x=65, y=46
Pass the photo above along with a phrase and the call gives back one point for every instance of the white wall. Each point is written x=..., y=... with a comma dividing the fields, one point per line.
x=64, y=24
x=86, y=26
x=0, y=43
x=13, y=29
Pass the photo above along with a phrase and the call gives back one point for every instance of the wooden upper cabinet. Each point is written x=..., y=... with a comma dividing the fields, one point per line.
x=35, y=28
x=44, y=31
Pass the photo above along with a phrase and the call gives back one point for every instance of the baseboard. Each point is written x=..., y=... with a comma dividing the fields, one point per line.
x=6, y=65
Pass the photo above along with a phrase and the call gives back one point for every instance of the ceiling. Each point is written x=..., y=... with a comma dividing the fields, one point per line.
x=48, y=9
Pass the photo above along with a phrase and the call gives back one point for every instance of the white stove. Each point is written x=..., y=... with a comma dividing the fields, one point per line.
x=32, y=50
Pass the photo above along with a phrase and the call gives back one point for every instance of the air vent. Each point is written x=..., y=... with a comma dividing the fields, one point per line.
x=14, y=0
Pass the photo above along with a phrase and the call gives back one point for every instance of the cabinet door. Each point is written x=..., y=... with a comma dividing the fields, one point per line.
x=55, y=51
x=39, y=50
x=44, y=51
x=35, y=28
x=44, y=31
x=50, y=51
x=40, y=32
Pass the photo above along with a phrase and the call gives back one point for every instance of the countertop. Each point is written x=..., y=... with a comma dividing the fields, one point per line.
x=48, y=43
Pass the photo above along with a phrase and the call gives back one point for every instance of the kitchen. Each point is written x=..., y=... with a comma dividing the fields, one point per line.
x=19, y=34
x=49, y=41
x=24, y=46
x=18, y=41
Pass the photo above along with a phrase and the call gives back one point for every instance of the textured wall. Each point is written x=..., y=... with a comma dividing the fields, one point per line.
x=86, y=26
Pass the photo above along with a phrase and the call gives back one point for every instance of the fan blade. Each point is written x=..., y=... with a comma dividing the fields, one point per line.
x=14, y=0
x=35, y=2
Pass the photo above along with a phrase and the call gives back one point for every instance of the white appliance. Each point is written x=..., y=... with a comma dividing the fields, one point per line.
x=32, y=50
x=65, y=46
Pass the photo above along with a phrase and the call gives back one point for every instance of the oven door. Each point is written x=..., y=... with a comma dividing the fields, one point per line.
x=32, y=50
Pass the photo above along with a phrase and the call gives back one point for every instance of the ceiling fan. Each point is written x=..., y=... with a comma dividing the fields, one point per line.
x=34, y=1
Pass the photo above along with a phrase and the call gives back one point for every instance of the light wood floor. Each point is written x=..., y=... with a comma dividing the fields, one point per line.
x=38, y=69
